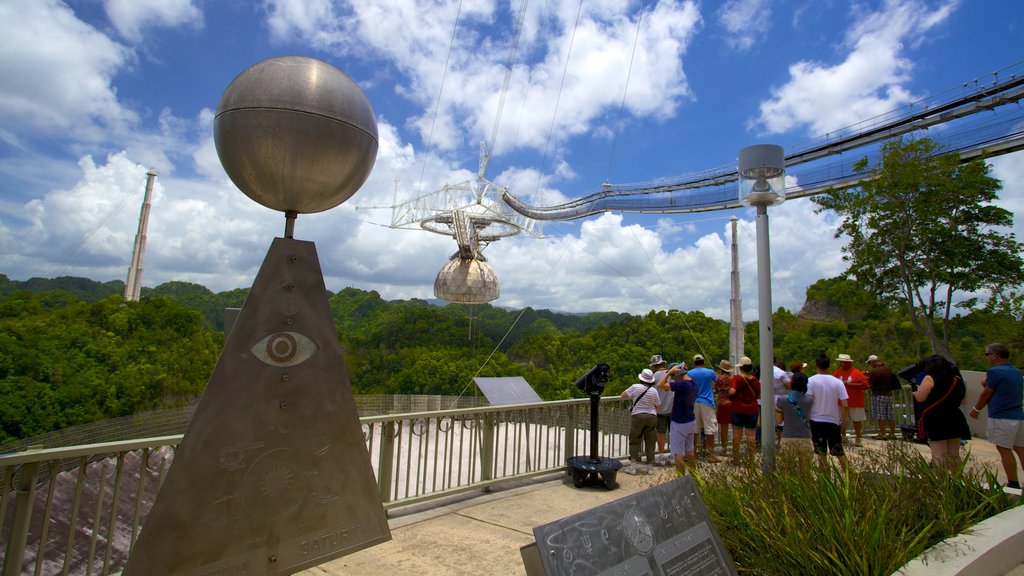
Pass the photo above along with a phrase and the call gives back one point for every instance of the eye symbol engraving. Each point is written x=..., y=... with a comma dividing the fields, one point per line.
x=284, y=349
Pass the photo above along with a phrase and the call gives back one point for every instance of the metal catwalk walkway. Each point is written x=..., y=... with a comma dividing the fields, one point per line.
x=980, y=118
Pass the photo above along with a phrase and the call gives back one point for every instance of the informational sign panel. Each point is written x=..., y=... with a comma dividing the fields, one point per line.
x=507, y=390
x=662, y=531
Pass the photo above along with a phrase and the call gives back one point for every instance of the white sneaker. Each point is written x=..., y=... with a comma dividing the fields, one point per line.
x=630, y=469
x=650, y=470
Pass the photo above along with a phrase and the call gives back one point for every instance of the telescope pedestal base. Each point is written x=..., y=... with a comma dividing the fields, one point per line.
x=593, y=471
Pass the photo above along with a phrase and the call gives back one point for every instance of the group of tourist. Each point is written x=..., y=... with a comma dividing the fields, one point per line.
x=676, y=405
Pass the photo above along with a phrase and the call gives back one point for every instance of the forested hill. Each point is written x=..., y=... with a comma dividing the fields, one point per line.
x=70, y=354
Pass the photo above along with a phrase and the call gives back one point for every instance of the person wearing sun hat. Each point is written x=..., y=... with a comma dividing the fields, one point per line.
x=723, y=410
x=642, y=420
x=744, y=391
x=856, y=383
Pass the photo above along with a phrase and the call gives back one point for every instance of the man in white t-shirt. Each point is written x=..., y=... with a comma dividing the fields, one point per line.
x=828, y=412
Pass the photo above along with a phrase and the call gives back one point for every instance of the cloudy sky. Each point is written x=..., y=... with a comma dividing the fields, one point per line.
x=95, y=93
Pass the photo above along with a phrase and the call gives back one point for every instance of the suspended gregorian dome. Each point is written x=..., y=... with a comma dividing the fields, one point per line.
x=466, y=281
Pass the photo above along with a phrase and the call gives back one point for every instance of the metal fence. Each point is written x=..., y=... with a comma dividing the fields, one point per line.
x=79, y=509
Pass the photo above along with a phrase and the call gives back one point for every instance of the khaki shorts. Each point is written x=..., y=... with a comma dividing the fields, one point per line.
x=706, y=418
x=858, y=415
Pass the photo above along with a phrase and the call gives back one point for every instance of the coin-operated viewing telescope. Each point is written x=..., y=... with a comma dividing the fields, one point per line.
x=592, y=383
x=594, y=469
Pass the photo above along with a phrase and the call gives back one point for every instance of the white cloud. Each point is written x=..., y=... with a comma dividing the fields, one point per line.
x=308, y=19
x=58, y=73
x=417, y=41
x=870, y=81
x=1009, y=170
x=131, y=16
x=745, y=22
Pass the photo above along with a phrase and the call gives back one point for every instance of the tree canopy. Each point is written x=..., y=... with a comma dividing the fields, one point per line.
x=64, y=361
x=923, y=230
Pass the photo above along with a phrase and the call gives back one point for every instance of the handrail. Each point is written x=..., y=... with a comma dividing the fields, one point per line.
x=88, y=497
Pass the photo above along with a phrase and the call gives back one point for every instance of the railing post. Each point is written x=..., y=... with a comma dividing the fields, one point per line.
x=570, y=432
x=25, y=492
x=386, y=459
x=487, y=447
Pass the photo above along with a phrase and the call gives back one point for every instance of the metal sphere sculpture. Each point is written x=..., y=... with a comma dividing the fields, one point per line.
x=295, y=134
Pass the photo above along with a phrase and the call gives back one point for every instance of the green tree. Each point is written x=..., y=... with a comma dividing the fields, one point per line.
x=923, y=228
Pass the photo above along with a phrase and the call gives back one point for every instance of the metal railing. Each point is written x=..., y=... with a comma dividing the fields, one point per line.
x=79, y=509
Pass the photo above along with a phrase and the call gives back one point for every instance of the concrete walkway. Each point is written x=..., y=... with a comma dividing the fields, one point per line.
x=481, y=533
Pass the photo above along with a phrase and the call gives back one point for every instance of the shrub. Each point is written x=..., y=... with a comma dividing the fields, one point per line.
x=886, y=510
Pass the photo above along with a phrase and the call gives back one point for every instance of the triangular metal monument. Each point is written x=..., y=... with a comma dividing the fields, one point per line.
x=272, y=475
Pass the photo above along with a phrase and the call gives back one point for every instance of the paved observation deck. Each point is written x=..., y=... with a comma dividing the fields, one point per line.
x=481, y=533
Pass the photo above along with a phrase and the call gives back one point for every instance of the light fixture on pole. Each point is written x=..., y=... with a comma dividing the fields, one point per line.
x=762, y=182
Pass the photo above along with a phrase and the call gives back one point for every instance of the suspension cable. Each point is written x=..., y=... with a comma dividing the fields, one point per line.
x=440, y=91
x=625, y=90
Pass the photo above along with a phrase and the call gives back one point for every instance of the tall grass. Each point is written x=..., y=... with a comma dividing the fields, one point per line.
x=886, y=510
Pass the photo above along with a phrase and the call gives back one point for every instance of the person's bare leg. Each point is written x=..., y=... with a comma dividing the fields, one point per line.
x=737, y=439
x=1019, y=450
x=709, y=443
x=751, y=444
x=1009, y=463
x=857, y=431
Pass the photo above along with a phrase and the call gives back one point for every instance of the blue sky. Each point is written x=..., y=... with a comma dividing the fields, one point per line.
x=94, y=93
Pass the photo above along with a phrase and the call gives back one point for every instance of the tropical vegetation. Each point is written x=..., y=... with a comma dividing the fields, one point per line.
x=868, y=521
x=924, y=234
x=79, y=353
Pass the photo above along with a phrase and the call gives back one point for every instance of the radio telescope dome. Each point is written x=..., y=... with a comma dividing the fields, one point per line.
x=467, y=281
x=295, y=134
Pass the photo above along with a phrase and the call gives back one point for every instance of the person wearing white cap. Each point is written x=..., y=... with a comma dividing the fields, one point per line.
x=704, y=405
x=856, y=383
x=642, y=419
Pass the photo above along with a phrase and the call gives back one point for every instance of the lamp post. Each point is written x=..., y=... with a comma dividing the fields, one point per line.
x=762, y=183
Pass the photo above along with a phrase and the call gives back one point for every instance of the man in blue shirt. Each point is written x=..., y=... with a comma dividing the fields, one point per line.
x=704, y=406
x=1004, y=393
